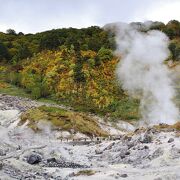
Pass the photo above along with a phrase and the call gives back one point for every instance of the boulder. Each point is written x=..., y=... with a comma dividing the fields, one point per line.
x=34, y=159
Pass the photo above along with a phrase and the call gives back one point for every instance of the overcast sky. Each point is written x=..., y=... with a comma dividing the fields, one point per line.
x=30, y=16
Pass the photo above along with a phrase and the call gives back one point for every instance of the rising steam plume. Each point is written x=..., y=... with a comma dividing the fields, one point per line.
x=143, y=74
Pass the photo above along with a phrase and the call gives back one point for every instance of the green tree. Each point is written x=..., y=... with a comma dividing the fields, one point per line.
x=21, y=34
x=22, y=52
x=178, y=53
x=105, y=54
x=172, y=29
x=79, y=76
x=51, y=40
x=4, y=54
x=174, y=47
x=11, y=31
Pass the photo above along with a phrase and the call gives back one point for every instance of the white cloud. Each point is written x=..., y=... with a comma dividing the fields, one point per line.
x=160, y=10
x=165, y=12
x=40, y=15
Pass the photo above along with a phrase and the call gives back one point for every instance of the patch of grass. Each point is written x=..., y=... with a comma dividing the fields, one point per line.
x=85, y=173
x=3, y=85
x=50, y=100
x=176, y=126
x=53, y=110
x=63, y=120
x=126, y=109
x=167, y=127
x=9, y=89
x=12, y=90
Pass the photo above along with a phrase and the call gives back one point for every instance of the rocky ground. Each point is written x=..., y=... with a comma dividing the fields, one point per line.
x=141, y=154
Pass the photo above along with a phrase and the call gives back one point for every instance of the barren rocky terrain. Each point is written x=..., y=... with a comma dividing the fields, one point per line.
x=151, y=153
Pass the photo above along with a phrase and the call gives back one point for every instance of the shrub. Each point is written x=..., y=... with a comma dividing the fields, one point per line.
x=105, y=54
x=36, y=92
x=126, y=109
x=13, y=78
x=174, y=47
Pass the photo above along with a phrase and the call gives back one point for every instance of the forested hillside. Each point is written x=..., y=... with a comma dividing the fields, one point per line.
x=73, y=66
x=16, y=46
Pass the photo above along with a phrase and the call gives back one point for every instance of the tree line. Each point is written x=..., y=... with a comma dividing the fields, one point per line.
x=17, y=46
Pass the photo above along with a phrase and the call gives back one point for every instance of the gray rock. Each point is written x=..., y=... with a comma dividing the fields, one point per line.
x=122, y=156
x=146, y=138
x=1, y=166
x=146, y=147
x=170, y=140
x=127, y=153
x=109, y=146
x=130, y=145
x=34, y=159
x=158, y=152
x=124, y=175
x=51, y=160
x=175, y=153
x=2, y=152
x=97, y=151
x=158, y=178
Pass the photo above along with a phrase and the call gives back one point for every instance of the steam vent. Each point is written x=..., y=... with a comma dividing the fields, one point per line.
x=89, y=90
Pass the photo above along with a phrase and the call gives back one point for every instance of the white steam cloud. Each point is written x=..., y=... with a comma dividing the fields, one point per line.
x=143, y=74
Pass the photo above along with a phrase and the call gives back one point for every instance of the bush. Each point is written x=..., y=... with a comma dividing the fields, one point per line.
x=36, y=92
x=13, y=78
x=126, y=109
x=174, y=47
x=91, y=62
x=105, y=54
x=4, y=54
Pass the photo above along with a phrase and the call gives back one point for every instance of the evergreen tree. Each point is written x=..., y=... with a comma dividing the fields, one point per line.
x=4, y=54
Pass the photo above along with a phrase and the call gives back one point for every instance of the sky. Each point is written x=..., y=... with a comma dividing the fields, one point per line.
x=31, y=16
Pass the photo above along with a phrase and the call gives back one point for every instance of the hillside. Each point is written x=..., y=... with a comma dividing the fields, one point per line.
x=64, y=114
x=17, y=46
x=75, y=67
x=61, y=153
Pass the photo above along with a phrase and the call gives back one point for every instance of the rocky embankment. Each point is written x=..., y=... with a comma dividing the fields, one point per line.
x=151, y=153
